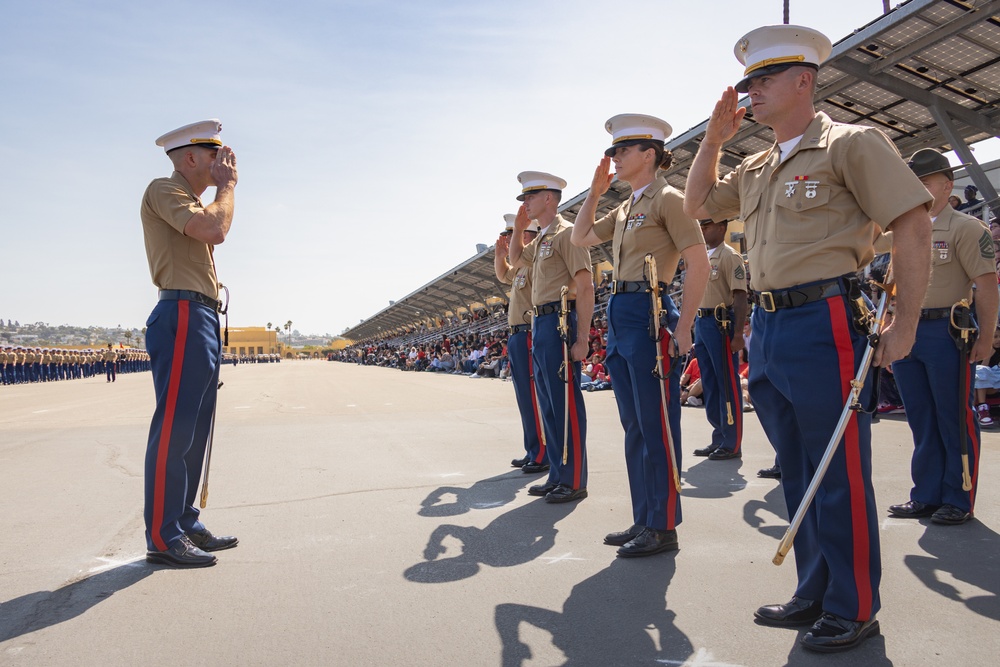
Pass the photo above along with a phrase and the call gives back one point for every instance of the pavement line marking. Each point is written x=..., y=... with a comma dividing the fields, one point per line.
x=351, y=405
x=703, y=658
x=558, y=559
x=242, y=407
x=889, y=522
x=110, y=563
x=38, y=412
x=452, y=474
x=299, y=407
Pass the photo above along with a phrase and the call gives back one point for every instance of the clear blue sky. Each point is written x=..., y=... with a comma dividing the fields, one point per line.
x=378, y=142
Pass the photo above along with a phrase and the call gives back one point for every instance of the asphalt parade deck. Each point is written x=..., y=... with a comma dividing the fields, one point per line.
x=380, y=524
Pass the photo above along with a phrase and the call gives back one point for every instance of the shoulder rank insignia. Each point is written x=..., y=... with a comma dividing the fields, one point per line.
x=986, y=247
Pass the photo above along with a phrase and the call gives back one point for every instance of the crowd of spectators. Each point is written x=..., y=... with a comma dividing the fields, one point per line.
x=474, y=344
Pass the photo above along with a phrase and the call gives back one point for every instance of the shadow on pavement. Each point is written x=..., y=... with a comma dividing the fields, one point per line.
x=969, y=553
x=484, y=494
x=44, y=609
x=772, y=504
x=514, y=538
x=713, y=479
x=619, y=616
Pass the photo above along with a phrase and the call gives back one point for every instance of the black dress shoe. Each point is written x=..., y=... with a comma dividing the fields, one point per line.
x=774, y=472
x=517, y=463
x=650, y=541
x=914, y=509
x=796, y=611
x=181, y=554
x=705, y=451
x=624, y=537
x=206, y=541
x=950, y=515
x=721, y=454
x=541, y=489
x=833, y=633
x=565, y=494
x=532, y=468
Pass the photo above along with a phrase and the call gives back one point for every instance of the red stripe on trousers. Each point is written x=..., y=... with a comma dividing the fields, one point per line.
x=535, y=409
x=173, y=388
x=734, y=385
x=973, y=442
x=839, y=324
x=665, y=424
x=574, y=427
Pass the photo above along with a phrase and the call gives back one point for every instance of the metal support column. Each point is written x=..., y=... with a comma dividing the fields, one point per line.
x=975, y=171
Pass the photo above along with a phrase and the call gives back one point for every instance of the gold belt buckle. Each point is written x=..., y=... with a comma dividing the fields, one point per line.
x=767, y=301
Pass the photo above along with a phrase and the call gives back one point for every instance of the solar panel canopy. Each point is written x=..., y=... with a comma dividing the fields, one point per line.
x=927, y=74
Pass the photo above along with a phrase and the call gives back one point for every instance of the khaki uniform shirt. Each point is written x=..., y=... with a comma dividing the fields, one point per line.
x=554, y=261
x=655, y=224
x=519, y=307
x=110, y=355
x=176, y=261
x=813, y=216
x=961, y=250
x=727, y=275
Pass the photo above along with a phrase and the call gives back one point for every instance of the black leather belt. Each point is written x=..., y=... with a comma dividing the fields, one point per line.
x=935, y=313
x=627, y=286
x=519, y=328
x=797, y=296
x=552, y=307
x=706, y=312
x=188, y=295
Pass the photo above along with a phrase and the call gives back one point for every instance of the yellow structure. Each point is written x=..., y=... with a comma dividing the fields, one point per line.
x=253, y=340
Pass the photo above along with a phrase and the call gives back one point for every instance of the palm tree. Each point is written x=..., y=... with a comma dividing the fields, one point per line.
x=288, y=328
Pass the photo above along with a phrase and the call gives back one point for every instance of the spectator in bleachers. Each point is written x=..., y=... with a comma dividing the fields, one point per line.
x=988, y=382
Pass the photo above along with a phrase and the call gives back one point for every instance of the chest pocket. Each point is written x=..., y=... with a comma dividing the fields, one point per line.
x=714, y=274
x=750, y=215
x=805, y=217
x=941, y=253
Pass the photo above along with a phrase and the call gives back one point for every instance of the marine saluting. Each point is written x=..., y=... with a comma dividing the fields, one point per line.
x=812, y=204
x=183, y=337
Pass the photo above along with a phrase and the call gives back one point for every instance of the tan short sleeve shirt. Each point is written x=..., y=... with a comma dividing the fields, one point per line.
x=176, y=261
x=655, y=223
x=814, y=216
x=961, y=250
x=556, y=261
x=727, y=275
